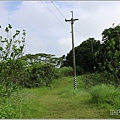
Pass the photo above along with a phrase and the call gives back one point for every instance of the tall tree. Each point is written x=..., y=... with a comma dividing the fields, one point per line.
x=85, y=60
x=111, y=50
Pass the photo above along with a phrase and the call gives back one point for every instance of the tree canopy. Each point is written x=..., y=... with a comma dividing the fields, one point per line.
x=85, y=60
x=95, y=55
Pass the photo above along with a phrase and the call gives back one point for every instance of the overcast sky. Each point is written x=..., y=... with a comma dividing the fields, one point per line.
x=44, y=22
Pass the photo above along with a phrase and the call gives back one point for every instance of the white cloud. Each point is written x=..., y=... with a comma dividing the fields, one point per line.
x=45, y=33
x=65, y=44
x=3, y=14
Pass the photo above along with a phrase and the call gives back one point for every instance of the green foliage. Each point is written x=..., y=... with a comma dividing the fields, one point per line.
x=8, y=105
x=41, y=57
x=40, y=74
x=29, y=70
x=69, y=91
x=66, y=71
x=102, y=94
x=20, y=105
x=6, y=109
x=61, y=101
x=93, y=55
x=39, y=70
x=11, y=70
x=98, y=78
x=11, y=66
x=108, y=55
x=85, y=61
x=80, y=83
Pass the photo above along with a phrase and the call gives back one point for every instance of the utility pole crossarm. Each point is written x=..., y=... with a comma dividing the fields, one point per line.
x=75, y=19
x=70, y=20
x=67, y=20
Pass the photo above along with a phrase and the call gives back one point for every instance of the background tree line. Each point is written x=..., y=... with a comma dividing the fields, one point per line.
x=98, y=55
x=40, y=69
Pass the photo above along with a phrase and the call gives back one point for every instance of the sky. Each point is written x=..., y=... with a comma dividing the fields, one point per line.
x=46, y=29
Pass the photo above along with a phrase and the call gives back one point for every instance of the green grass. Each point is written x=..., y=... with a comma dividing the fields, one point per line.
x=59, y=101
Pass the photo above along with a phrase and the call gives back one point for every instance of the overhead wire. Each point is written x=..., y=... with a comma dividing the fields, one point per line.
x=64, y=16
x=79, y=32
x=53, y=14
x=61, y=15
x=67, y=6
x=92, y=47
x=77, y=23
x=58, y=9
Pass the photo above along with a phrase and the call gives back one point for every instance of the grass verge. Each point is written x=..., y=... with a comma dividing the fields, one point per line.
x=60, y=100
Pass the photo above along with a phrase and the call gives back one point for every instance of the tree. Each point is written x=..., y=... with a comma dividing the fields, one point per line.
x=11, y=66
x=111, y=50
x=42, y=57
x=85, y=60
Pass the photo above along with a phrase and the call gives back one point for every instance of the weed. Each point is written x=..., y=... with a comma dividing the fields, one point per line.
x=66, y=71
x=106, y=94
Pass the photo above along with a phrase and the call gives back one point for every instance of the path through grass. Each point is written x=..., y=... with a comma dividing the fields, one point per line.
x=60, y=101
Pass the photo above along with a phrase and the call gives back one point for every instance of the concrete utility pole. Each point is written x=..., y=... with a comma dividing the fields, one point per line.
x=74, y=65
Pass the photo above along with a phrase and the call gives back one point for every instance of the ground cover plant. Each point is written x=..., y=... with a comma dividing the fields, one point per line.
x=62, y=101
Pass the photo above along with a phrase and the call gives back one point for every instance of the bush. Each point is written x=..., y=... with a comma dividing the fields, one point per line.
x=7, y=109
x=108, y=94
x=66, y=71
x=98, y=78
x=79, y=70
x=40, y=74
x=11, y=66
x=80, y=83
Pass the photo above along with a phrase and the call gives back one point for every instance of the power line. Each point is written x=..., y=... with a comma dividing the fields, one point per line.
x=54, y=15
x=79, y=32
x=64, y=16
x=78, y=22
x=82, y=30
x=67, y=6
x=58, y=9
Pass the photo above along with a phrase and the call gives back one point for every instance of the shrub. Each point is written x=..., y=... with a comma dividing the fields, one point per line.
x=80, y=83
x=40, y=74
x=66, y=71
x=79, y=70
x=108, y=94
x=98, y=78
x=11, y=66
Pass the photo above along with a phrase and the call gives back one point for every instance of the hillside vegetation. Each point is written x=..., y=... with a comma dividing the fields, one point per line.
x=41, y=85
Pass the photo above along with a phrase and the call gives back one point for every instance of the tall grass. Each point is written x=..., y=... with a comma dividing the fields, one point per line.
x=24, y=104
x=106, y=94
x=91, y=80
x=69, y=90
x=61, y=100
x=66, y=71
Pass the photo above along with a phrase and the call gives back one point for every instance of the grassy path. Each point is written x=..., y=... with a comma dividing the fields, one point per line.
x=62, y=101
